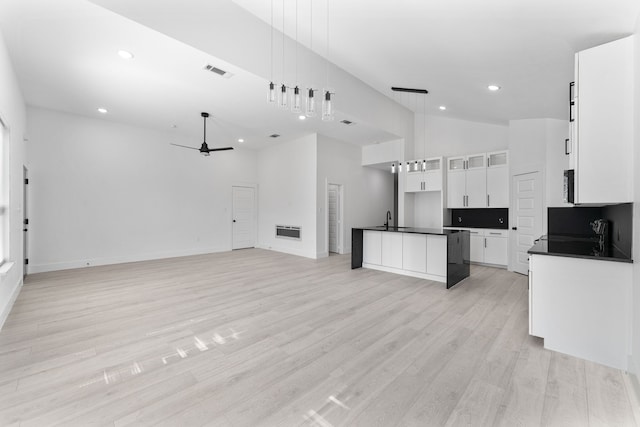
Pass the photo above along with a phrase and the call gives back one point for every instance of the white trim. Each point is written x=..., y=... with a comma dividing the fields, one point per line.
x=290, y=251
x=41, y=268
x=6, y=267
x=7, y=308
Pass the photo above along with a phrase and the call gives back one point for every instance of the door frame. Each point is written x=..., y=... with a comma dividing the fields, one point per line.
x=341, y=248
x=522, y=170
x=25, y=219
x=255, y=219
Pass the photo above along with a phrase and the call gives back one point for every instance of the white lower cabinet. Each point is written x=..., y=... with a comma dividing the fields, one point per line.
x=414, y=252
x=496, y=247
x=488, y=246
x=437, y=255
x=476, y=246
x=372, y=247
x=392, y=249
x=411, y=254
x=581, y=307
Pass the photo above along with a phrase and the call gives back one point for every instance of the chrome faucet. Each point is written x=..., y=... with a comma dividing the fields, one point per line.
x=388, y=217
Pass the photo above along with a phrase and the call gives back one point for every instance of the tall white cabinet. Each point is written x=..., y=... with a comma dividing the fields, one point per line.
x=478, y=181
x=602, y=130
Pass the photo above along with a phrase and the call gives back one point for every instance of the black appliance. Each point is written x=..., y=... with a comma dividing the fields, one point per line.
x=569, y=186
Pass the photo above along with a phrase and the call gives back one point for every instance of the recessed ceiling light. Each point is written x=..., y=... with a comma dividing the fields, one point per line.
x=240, y=140
x=302, y=117
x=442, y=107
x=102, y=110
x=493, y=88
x=125, y=54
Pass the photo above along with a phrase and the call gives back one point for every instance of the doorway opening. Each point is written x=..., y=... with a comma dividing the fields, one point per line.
x=244, y=219
x=335, y=229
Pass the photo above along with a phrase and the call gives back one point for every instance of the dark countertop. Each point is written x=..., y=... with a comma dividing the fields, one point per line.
x=471, y=226
x=577, y=247
x=437, y=231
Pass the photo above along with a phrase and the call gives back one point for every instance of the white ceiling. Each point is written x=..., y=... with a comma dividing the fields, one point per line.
x=456, y=48
x=64, y=52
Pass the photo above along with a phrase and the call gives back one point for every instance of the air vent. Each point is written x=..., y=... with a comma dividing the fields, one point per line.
x=347, y=122
x=217, y=71
x=289, y=232
x=275, y=135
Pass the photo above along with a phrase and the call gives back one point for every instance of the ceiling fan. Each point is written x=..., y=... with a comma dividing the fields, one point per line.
x=204, y=148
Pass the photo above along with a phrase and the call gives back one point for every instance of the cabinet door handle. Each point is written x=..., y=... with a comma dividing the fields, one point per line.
x=566, y=147
x=488, y=161
x=485, y=242
x=488, y=204
x=572, y=103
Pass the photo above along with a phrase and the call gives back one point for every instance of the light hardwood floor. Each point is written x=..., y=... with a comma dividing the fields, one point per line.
x=259, y=338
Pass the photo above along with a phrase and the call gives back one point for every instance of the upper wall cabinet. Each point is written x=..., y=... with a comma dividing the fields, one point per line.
x=602, y=126
x=424, y=175
x=498, y=179
x=478, y=181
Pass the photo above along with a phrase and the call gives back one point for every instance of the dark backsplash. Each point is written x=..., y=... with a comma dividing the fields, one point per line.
x=480, y=218
x=575, y=222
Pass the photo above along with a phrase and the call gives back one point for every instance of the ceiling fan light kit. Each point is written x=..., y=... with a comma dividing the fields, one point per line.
x=204, y=148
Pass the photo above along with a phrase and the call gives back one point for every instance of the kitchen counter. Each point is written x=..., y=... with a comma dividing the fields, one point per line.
x=428, y=253
x=577, y=247
x=414, y=230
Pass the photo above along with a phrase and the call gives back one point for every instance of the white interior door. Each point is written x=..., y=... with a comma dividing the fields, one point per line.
x=333, y=210
x=244, y=217
x=527, y=199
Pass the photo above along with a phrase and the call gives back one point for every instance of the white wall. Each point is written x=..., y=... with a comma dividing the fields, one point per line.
x=104, y=193
x=287, y=195
x=367, y=192
x=447, y=137
x=453, y=137
x=12, y=114
x=634, y=363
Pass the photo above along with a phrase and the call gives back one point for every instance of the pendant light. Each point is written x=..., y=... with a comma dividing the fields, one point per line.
x=284, y=93
x=271, y=95
x=424, y=125
x=296, y=102
x=327, y=106
x=310, y=103
x=393, y=168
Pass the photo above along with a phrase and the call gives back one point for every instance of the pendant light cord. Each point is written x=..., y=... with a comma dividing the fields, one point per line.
x=296, y=43
x=283, y=35
x=271, y=41
x=311, y=43
x=327, y=45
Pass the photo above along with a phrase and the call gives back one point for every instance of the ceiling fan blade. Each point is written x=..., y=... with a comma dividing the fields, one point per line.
x=220, y=149
x=184, y=146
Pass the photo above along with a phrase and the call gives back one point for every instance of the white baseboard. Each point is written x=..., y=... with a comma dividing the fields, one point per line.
x=7, y=308
x=322, y=255
x=41, y=268
x=289, y=251
x=633, y=372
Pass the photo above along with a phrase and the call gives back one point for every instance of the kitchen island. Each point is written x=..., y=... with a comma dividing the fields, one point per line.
x=427, y=253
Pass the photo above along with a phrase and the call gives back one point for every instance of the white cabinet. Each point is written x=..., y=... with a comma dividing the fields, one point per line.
x=467, y=181
x=497, y=180
x=476, y=246
x=414, y=252
x=392, y=249
x=428, y=177
x=496, y=247
x=602, y=132
x=437, y=255
x=581, y=307
x=488, y=246
x=372, y=247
